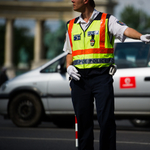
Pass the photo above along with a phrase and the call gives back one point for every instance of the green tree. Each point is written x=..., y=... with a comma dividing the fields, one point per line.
x=21, y=39
x=54, y=41
x=136, y=19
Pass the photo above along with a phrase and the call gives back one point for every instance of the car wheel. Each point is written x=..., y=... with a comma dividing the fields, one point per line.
x=140, y=123
x=25, y=110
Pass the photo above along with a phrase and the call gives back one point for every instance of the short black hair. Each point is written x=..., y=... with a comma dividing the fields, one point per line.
x=92, y=3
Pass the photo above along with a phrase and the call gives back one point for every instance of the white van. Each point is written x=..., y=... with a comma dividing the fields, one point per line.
x=44, y=92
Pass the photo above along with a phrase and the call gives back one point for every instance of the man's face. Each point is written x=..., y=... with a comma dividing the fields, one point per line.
x=78, y=5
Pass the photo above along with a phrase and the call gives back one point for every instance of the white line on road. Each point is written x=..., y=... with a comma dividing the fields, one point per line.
x=29, y=138
x=60, y=139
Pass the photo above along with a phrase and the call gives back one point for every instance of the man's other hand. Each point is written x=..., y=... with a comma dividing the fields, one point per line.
x=73, y=72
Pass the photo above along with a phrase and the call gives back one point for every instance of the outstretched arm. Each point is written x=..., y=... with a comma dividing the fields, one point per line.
x=132, y=33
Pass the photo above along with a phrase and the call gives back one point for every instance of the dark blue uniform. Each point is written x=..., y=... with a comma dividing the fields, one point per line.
x=98, y=84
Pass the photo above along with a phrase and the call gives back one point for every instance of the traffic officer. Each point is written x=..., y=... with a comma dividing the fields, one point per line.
x=90, y=63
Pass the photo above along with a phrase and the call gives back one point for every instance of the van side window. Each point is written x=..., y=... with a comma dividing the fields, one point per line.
x=132, y=55
x=56, y=66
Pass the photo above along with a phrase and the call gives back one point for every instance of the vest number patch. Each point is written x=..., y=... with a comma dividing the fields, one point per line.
x=93, y=33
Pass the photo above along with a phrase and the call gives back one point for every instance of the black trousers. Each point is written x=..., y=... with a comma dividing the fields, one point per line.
x=83, y=93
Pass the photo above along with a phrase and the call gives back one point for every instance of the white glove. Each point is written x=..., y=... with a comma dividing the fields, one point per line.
x=73, y=72
x=112, y=70
x=145, y=38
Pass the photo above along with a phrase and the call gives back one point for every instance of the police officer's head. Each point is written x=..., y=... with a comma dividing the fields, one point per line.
x=80, y=5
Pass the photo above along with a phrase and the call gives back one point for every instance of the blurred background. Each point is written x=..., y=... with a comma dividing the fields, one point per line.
x=32, y=32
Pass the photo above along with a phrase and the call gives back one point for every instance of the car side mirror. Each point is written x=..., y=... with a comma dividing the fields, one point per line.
x=61, y=69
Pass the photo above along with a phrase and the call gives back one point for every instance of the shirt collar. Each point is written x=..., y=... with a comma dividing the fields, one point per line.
x=94, y=14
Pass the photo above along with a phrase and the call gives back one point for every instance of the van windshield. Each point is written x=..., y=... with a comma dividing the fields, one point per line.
x=132, y=55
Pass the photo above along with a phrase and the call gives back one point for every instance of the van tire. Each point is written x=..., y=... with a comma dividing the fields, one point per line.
x=25, y=110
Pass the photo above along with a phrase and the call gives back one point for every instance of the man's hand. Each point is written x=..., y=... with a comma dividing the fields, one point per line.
x=112, y=70
x=73, y=72
x=145, y=38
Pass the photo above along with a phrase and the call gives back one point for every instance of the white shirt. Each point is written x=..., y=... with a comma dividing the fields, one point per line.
x=115, y=27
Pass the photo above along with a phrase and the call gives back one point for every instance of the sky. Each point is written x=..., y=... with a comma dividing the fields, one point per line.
x=53, y=24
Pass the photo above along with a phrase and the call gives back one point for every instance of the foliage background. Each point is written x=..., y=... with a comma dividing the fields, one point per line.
x=136, y=18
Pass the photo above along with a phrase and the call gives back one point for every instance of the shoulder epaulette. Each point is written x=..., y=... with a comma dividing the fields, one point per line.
x=76, y=19
x=98, y=17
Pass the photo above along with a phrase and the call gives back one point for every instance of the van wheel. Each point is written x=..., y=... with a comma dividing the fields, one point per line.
x=140, y=123
x=25, y=110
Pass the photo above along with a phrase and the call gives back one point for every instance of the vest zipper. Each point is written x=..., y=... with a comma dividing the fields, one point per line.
x=83, y=41
x=84, y=48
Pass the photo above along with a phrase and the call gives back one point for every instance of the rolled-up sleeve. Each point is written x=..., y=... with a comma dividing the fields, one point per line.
x=67, y=46
x=117, y=28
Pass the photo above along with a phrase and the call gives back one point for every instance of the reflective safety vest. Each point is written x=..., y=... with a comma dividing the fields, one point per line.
x=92, y=48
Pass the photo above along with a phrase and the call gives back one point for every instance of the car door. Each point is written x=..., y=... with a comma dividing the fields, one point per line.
x=58, y=90
x=132, y=90
x=132, y=79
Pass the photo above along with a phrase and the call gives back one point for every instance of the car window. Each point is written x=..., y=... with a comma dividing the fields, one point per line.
x=56, y=66
x=132, y=55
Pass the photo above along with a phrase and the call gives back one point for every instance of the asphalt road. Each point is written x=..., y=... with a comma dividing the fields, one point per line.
x=48, y=137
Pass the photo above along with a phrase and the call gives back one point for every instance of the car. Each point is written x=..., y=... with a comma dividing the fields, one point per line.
x=43, y=94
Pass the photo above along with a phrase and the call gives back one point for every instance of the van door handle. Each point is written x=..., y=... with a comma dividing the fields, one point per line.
x=147, y=79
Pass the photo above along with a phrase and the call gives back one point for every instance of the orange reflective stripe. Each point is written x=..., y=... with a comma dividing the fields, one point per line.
x=102, y=30
x=101, y=50
x=70, y=31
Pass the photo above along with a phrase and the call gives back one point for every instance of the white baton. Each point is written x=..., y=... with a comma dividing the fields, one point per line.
x=76, y=132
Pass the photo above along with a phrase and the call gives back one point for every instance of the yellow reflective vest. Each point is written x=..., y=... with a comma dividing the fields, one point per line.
x=92, y=48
